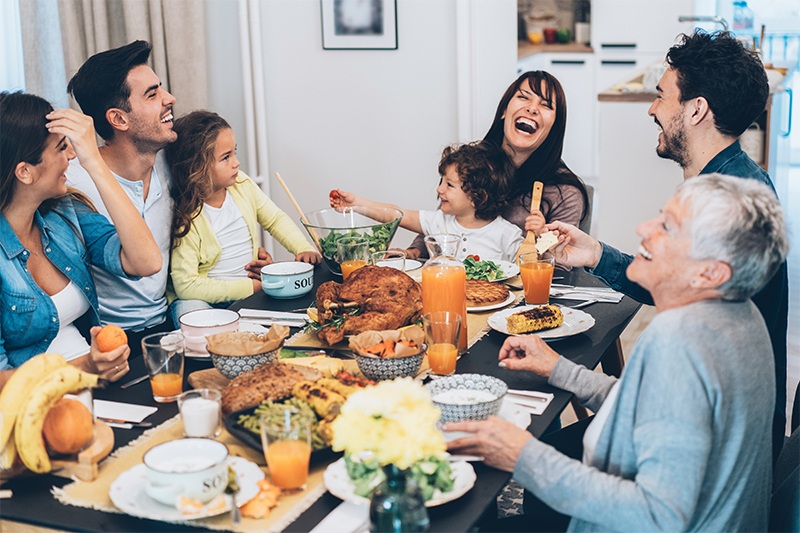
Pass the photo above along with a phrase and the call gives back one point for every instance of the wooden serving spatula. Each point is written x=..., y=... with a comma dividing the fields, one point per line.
x=530, y=239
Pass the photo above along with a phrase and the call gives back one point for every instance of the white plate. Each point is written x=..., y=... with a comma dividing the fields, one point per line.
x=127, y=492
x=510, y=299
x=339, y=484
x=244, y=325
x=509, y=270
x=412, y=264
x=575, y=321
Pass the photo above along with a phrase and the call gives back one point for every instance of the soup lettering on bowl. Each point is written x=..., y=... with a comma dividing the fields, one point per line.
x=288, y=279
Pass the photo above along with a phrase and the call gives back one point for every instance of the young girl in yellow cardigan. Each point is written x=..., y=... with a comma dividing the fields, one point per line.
x=215, y=253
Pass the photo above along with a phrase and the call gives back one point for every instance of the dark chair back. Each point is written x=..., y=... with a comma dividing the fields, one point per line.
x=785, y=507
x=586, y=224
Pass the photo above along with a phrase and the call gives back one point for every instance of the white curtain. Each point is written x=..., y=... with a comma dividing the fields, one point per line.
x=59, y=35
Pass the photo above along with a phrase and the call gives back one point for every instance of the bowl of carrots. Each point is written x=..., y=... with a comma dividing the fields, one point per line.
x=389, y=359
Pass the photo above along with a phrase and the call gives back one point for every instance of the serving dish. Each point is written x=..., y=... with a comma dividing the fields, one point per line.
x=457, y=412
x=575, y=321
x=492, y=307
x=378, y=369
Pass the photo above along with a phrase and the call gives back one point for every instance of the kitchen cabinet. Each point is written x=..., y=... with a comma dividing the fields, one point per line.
x=575, y=72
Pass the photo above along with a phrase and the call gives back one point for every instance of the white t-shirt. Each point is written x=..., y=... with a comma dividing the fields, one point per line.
x=592, y=434
x=234, y=239
x=498, y=240
x=70, y=304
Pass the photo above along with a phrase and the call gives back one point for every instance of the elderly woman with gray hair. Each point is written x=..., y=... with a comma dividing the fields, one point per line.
x=679, y=440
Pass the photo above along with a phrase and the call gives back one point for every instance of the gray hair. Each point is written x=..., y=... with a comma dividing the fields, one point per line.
x=738, y=221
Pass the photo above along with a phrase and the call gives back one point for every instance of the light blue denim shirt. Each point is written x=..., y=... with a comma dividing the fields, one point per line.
x=28, y=318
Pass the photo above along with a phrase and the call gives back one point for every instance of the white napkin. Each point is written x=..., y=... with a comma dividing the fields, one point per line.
x=533, y=402
x=127, y=412
x=346, y=518
x=586, y=293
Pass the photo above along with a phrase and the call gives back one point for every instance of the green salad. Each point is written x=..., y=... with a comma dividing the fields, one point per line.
x=486, y=270
x=430, y=475
x=378, y=237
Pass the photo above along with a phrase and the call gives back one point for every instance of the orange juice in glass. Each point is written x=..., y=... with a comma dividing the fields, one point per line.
x=352, y=254
x=163, y=357
x=444, y=281
x=536, y=272
x=442, y=332
x=286, y=439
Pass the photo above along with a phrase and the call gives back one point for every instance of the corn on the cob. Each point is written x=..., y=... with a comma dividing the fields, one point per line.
x=536, y=319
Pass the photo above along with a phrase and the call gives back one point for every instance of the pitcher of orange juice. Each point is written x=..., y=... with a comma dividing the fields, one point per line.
x=444, y=281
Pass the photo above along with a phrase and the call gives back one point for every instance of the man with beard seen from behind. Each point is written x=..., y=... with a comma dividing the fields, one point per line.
x=132, y=112
x=713, y=90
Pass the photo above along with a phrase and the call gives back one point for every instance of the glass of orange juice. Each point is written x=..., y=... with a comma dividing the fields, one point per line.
x=353, y=253
x=163, y=357
x=442, y=329
x=536, y=271
x=286, y=439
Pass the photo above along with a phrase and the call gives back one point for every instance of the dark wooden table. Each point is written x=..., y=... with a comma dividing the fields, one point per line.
x=32, y=502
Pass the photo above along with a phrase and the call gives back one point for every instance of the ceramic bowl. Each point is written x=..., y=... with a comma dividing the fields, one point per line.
x=231, y=366
x=194, y=468
x=477, y=411
x=383, y=369
x=196, y=325
x=288, y=279
x=330, y=225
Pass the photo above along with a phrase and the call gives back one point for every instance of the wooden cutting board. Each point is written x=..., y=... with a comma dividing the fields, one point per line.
x=210, y=378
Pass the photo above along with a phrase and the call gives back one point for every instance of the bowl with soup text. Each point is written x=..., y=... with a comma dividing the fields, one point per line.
x=287, y=279
x=192, y=468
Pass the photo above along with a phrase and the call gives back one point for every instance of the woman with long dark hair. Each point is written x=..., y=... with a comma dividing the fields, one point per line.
x=529, y=126
x=51, y=235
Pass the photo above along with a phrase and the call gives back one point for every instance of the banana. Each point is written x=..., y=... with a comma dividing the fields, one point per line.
x=28, y=426
x=19, y=385
x=8, y=455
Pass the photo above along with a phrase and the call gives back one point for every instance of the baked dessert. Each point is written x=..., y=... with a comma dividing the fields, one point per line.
x=481, y=293
x=536, y=319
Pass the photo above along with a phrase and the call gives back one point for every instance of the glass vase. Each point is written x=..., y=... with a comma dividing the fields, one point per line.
x=397, y=505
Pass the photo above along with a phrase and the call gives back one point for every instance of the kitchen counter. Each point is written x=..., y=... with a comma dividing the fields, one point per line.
x=527, y=49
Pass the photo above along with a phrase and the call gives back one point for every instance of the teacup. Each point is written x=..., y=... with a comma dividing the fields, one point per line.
x=290, y=279
x=193, y=468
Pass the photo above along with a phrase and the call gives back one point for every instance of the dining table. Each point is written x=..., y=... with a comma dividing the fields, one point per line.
x=33, y=501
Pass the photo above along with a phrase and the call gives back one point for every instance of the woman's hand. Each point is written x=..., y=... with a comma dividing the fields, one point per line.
x=411, y=253
x=309, y=257
x=499, y=442
x=111, y=365
x=339, y=198
x=535, y=222
x=254, y=268
x=529, y=353
x=79, y=129
x=575, y=248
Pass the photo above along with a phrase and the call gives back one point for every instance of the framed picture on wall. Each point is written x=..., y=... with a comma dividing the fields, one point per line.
x=359, y=24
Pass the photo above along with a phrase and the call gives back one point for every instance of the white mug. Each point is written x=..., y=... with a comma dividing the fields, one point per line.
x=194, y=468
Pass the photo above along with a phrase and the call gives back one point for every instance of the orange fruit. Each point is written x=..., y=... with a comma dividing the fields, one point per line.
x=110, y=338
x=68, y=426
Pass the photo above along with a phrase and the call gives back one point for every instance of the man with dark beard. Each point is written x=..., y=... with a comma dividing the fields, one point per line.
x=712, y=91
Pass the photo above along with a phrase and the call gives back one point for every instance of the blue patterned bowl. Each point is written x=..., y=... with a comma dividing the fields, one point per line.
x=472, y=382
x=231, y=366
x=383, y=369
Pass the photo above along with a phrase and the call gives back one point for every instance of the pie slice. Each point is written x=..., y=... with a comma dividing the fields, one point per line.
x=481, y=293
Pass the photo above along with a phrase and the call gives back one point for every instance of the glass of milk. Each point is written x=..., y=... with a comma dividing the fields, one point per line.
x=201, y=413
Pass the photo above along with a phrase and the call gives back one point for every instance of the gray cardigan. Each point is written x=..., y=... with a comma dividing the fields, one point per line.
x=685, y=447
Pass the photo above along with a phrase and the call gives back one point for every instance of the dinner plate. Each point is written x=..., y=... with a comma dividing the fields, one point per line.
x=575, y=321
x=243, y=326
x=340, y=485
x=509, y=270
x=128, y=494
x=491, y=307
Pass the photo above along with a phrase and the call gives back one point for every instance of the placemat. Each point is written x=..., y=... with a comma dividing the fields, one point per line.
x=94, y=495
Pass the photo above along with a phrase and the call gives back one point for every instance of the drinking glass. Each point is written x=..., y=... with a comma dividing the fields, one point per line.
x=286, y=439
x=389, y=258
x=353, y=253
x=442, y=329
x=163, y=357
x=201, y=413
x=536, y=272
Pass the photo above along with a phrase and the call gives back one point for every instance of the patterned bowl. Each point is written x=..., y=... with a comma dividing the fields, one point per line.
x=470, y=382
x=231, y=366
x=382, y=369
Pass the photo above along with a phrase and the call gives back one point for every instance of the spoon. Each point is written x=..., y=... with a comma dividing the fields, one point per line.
x=233, y=490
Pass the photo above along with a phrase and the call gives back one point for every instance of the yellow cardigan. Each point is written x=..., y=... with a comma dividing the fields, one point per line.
x=199, y=250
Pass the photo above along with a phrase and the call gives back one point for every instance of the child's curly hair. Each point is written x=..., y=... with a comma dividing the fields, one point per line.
x=485, y=172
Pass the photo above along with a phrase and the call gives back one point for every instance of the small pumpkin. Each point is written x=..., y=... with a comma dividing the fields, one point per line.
x=68, y=426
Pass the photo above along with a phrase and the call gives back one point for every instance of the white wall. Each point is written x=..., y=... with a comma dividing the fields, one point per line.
x=369, y=121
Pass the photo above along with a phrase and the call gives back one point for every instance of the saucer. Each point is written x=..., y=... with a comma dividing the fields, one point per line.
x=128, y=495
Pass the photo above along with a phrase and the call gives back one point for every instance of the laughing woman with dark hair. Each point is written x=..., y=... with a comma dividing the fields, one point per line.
x=529, y=126
x=50, y=235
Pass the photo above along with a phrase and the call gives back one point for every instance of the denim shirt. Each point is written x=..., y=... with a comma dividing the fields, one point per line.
x=28, y=318
x=772, y=300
